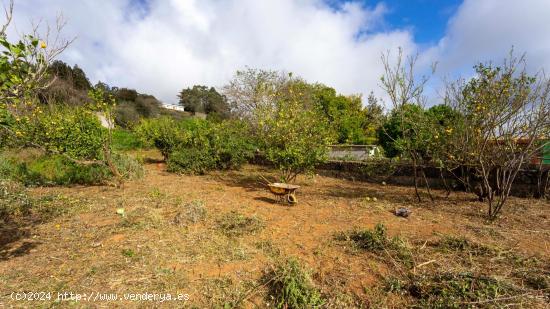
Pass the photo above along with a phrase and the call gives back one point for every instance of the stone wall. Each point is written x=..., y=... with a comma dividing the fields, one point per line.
x=529, y=181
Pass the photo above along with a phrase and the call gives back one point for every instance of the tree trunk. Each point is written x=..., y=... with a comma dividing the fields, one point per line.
x=427, y=183
x=416, y=178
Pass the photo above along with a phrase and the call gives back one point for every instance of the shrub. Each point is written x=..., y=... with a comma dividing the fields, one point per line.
x=293, y=132
x=211, y=146
x=128, y=167
x=290, y=286
x=164, y=133
x=57, y=170
x=143, y=217
x=231, y=144
x=462, y=244
x=75, y=132
x=191, y=161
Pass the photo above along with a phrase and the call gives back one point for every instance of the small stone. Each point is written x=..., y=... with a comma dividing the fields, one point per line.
x=402, y=212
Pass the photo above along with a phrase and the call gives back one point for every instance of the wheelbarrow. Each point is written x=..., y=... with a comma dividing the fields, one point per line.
x=285, y=192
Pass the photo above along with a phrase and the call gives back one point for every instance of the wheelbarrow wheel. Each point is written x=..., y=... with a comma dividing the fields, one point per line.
x=291, y=198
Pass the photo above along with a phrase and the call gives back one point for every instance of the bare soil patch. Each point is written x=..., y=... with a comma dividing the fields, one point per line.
x=159, y=246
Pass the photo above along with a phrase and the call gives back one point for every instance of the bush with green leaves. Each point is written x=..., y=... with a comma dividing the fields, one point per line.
x=346, y=114
x=164, y=133
x=211, y=146
x=293, y=132
x=232, y=144
x=75, y=132
x=290, y=286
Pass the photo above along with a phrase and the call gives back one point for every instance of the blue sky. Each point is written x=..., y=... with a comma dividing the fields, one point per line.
x=427, y=19
x=162, y=46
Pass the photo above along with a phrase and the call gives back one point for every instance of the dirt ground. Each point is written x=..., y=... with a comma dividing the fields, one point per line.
x=94, y=249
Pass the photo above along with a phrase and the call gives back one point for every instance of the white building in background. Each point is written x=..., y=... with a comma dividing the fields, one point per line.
x=174, y=107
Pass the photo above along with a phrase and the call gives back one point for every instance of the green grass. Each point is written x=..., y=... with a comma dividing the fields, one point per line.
x=124, y=140
x=47, y=170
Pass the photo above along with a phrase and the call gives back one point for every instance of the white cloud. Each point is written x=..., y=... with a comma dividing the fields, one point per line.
x=486, y=30
x=181, y=43
x=171, y=44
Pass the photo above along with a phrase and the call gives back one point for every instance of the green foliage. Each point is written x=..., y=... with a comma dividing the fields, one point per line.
x=345, y=114
x=190, y=161
x=204, y=100
x=164, y=133
x=371, y=240
x=147, y=105
x=411, y=129
x=126, y=115
x=211, y=146
x=237, y=224
x=17, y=206
x=231, y=144
x=399, y=130
x=294, y=133
x=58, y=170
x=463, y=244
x=19, y=65
x=75, y=75
x=124, y=140
x=441, y=123
x=290, y=286
x=75, y=132
x=127, y=166
x=505, y=113
x=125, y=94
x=377, y=241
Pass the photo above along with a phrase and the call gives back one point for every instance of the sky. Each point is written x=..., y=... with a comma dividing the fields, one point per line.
x=162, y=46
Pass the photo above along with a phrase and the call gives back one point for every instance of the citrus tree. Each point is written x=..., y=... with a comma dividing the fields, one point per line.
x=293, y=132
x=506, y=122
x=25, y=121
